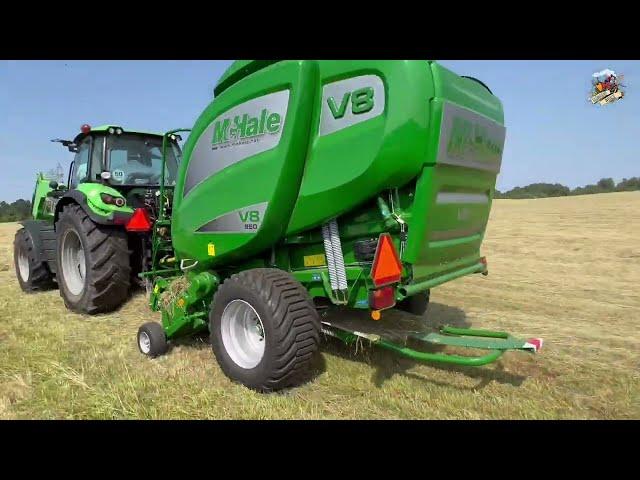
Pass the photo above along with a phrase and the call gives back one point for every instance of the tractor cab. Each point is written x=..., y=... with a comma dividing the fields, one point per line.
x=128, y=161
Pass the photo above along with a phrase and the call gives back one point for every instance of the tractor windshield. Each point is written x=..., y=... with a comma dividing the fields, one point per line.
x=135, y=159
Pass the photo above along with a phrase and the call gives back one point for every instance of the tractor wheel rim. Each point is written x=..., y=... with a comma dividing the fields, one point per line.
x=243, y=334
x=145, y=342
x=74, y=267
x=23, y=265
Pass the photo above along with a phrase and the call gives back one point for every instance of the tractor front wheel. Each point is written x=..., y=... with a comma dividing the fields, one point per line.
x=264, y=329
x=33, y=274
x=93, y=263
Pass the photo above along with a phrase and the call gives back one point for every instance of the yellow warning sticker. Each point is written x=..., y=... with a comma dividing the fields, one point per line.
x=211, y=250
x=315, y=260
x=156, y=289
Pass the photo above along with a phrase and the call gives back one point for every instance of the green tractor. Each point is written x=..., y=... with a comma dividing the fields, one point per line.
x=93, y=236
x=313, y=198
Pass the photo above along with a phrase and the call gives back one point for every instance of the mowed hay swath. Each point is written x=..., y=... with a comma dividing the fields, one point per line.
x=566, y=269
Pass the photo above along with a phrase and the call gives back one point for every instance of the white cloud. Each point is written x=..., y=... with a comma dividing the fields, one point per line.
x=603, y=73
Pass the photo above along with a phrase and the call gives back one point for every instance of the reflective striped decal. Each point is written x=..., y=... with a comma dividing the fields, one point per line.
x=453, y=197
x=468, y=139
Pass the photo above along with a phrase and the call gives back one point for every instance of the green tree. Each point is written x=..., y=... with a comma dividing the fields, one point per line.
x=15, y=211
x=628, y=185
x=606, y=184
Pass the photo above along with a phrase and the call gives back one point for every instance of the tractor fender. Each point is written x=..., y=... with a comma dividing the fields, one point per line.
x=44, y=241
x=34, y=228
x=79, y=198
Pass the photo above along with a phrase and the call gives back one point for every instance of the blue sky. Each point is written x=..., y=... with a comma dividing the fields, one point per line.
x=553, y=133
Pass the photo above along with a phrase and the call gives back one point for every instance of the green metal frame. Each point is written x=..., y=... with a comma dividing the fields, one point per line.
x=163, y=266
x=496, y=342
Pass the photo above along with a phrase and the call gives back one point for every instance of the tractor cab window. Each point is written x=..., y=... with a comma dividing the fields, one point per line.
x=136, y=160
x=80, y=164
x=96, y=157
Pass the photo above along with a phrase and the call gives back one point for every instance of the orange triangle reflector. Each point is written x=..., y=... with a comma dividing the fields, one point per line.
x=386, y=264
x=139, y=222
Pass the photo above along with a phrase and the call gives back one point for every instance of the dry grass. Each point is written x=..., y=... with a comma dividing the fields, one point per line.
x=566, y=269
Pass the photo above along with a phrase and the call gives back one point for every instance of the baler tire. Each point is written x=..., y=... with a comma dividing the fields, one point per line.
x=106, y=282
x=152, y=341
x=289, y=325
x=38, y=275
x=417, y=304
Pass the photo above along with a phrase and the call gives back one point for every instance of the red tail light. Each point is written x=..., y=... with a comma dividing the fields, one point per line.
x=139, y=222
x=386, y=267
x=382, y=298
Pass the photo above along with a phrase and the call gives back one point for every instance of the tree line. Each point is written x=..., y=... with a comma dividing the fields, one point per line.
x=21, y=209
x=542, y=190
x=16, y=211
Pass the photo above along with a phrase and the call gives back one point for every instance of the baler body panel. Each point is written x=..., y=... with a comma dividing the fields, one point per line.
x=454, y=192
x=349, y=132
x=357, y=156
x=242, y=165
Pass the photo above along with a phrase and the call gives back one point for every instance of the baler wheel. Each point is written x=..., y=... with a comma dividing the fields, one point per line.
x=93, y=263
x=152, y=340
x=415, y=304
x=264, y=329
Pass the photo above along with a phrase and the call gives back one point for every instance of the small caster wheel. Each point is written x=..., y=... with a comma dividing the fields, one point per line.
x=152, y=340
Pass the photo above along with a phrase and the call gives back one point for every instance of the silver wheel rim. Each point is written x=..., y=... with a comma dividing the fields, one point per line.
x=145, y=342
x=23, y=265
x=243, y=334
x=74, y=268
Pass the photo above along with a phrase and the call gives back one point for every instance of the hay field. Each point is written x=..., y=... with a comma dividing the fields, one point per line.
x=565, y=269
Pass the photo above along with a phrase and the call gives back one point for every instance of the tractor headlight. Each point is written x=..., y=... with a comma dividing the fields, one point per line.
x=111, y=200
x=111, y=130
x=118, y=131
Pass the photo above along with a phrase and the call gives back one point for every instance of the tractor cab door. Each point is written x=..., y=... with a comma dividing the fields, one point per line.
x=79, y=170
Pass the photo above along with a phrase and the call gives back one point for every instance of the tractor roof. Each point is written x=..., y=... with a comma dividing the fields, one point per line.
x=105, y=128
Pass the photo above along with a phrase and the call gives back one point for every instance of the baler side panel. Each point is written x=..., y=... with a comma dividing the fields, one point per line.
x=349, y=166
x=454, y=193
x=239, y=203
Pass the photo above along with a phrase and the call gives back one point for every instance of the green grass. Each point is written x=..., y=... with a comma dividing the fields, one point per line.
x=564, y=269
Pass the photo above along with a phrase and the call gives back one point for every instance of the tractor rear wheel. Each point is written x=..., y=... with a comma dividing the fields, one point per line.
x=416, y=304
x=93, y=263
x=264, y=329
x=33, y=274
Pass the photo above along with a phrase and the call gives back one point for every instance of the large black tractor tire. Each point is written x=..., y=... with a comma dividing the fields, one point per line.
x=271, y=304
x=33, y=274
x=97, y=280
x=417, y=304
